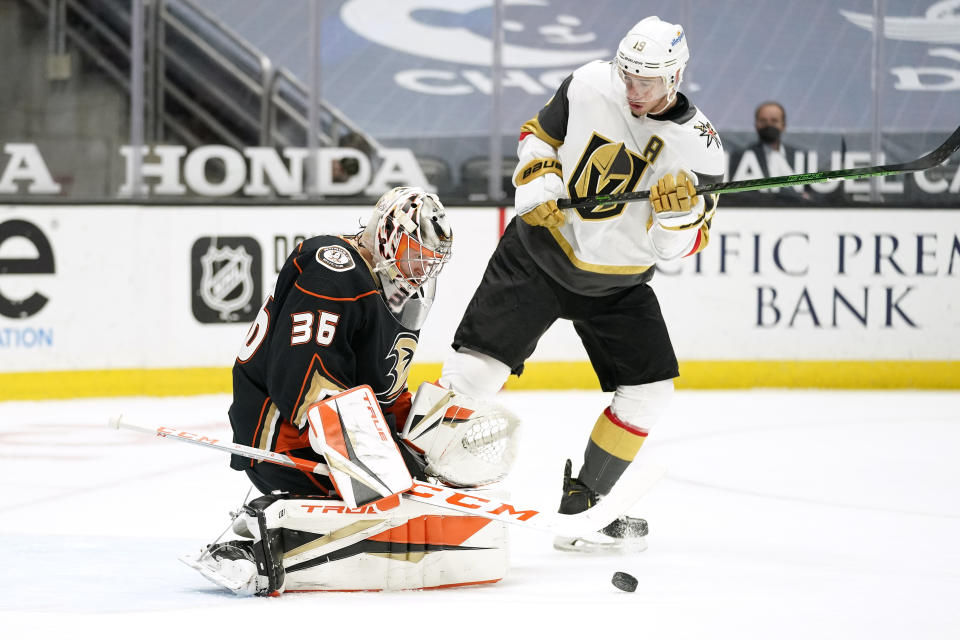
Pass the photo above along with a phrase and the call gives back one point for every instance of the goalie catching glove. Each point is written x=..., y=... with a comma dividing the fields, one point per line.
x=675, y=203
x=463, y=441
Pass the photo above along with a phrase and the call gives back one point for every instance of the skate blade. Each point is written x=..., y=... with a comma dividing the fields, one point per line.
x=609, y=546
x=239, y=587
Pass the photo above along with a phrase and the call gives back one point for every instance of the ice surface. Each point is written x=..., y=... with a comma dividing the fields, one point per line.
x=784, y=514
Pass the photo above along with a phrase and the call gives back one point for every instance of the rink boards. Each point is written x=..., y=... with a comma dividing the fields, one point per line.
x=100, y=300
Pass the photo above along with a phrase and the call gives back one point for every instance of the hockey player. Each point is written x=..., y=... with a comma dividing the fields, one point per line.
x=322, y=377
x=612, y=127
x=345, y=311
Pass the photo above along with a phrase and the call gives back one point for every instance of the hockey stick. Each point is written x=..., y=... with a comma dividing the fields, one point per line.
x=932, y=159
x=636, y=481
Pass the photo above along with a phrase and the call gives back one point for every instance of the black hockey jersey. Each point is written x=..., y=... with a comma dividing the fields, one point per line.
x=325, y=328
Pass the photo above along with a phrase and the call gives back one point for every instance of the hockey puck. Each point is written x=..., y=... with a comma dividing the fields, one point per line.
x=624, y=581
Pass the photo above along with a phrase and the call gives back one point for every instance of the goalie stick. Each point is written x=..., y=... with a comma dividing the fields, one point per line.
x=932, y=159
x=637, y=480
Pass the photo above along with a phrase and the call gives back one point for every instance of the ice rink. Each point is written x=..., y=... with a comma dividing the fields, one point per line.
x=784, y=514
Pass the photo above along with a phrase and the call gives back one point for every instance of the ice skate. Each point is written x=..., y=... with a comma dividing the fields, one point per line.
x=623, y=535
x=228, y=564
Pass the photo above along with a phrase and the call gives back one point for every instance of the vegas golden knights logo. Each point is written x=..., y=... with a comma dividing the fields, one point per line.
x=402, y=356
x=605, y=168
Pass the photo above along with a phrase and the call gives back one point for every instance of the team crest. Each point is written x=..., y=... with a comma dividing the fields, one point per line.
x=605, y=168
x=401, y=353
x=226, y=281
x=335, y=258
x=707, y=131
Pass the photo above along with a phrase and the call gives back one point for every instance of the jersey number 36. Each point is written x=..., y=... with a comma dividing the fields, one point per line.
x=301, y=330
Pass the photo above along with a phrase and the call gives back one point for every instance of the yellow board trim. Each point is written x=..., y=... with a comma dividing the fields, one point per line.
x=694, y=374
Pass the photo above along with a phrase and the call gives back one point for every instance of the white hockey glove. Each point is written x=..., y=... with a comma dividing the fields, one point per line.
x=464, y=441
x=676, y=206
x=539, y=183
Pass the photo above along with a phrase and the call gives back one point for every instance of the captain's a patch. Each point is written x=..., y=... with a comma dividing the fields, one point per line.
x=335, y=258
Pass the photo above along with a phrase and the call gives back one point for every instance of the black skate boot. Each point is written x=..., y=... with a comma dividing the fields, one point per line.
x=623, y=535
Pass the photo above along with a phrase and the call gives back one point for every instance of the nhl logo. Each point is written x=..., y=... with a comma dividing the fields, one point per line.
x=224, y=285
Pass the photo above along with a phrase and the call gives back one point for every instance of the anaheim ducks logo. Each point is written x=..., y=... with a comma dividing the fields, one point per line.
x=605, y=168
x=401, y=353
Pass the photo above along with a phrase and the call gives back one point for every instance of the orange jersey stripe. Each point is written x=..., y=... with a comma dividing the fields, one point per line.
x=353, y=299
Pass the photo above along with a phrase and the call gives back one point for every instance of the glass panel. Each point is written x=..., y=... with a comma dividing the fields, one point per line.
x=405, y=92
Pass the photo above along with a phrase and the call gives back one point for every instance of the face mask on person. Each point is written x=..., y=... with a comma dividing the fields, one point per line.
x=769, y=135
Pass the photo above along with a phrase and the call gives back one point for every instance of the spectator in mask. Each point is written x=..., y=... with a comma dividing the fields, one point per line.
x=769, y=156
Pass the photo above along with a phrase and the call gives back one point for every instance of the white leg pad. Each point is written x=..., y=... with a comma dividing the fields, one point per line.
x=394, y=544
x=411, y=546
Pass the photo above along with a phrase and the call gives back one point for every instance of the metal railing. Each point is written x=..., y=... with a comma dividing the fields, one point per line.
x=202, y=78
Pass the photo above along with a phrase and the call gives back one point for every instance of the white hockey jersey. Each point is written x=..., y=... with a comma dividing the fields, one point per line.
x=604, y=149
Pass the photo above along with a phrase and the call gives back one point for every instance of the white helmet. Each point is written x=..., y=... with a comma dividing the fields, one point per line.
x=655, y=48
x=410, y=240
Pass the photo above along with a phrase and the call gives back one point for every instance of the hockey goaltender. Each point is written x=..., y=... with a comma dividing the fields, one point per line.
x=322, y=377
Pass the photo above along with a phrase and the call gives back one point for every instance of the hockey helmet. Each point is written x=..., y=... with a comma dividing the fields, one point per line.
x=410, y=239
x=654, y=48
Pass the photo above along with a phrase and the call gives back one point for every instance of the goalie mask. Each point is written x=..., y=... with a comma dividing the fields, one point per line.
x=410, y=240
x=651, y=59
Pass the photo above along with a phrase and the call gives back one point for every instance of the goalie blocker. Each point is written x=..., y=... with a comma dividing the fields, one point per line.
x=372, y=540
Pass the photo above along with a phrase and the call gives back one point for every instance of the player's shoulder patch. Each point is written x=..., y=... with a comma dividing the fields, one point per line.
x=335, y=257
x=331, y=268
x=707, y=132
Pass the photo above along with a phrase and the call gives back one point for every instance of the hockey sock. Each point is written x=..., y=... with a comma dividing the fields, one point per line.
x=612, y=447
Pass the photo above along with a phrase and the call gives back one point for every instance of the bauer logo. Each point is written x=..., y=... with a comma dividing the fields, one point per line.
x=225, y=278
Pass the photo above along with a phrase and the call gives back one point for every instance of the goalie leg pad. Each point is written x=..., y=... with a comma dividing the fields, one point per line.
x=331, y=547
x=318, y=544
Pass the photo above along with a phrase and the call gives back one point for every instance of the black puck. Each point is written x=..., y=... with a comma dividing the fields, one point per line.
x=624, y=581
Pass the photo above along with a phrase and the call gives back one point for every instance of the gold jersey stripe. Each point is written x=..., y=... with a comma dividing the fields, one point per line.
x=269, y=428
x=533, y=126
x=594, y=268
x=536, y=168
x=616, y=440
